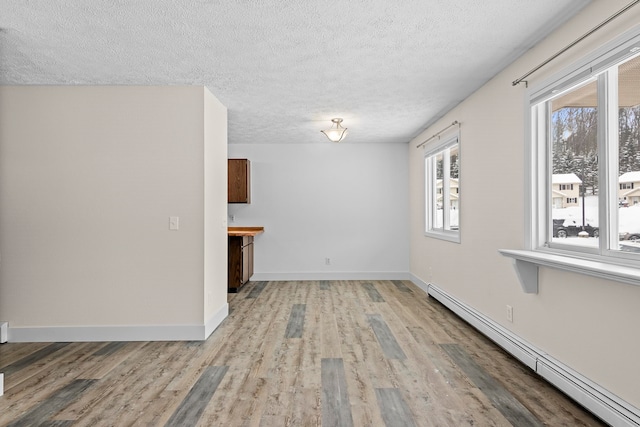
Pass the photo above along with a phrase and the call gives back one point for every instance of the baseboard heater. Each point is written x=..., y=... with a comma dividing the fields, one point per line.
x=591, y=396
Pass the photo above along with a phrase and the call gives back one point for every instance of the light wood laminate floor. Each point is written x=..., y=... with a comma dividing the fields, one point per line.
x=330, y=353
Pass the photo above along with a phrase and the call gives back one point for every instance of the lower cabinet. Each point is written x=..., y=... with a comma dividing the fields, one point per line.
x=240, y=261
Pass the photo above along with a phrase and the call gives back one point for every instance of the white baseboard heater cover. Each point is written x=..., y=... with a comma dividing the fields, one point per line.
x=594, y=398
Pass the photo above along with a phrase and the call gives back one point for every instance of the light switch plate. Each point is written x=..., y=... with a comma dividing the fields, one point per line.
x=174, y=223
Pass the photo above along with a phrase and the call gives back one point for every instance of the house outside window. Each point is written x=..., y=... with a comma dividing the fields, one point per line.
x=564, y=193
x=585, y=158
x=629, y=192
x=442, y=189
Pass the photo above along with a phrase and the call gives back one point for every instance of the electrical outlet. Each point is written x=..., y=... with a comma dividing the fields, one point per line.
x=327, y=261
x=509, y=313
x=174, y=223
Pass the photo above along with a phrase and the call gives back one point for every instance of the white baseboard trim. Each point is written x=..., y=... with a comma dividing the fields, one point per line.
x=419, y=282
x=215, y=320
x=334, y=275
x=107, y=333
x=585, y=392
x=119, y=333
x=4, y=332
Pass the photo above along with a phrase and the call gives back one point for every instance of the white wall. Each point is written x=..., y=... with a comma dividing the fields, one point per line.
x=88, y=179
x=215, y=211
x=589, y=324
x=346, y=202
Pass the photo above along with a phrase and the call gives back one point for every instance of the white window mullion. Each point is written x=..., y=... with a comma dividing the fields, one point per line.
x=446, y=189
x=608, y=160
x=533, y=197
x=544, y=174
x=430, y=193
x=434, y=192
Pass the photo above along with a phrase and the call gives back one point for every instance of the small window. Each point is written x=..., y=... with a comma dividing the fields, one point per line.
x=442, y=185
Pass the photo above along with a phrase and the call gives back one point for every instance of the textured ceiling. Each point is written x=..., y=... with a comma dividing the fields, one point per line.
x=283, y=68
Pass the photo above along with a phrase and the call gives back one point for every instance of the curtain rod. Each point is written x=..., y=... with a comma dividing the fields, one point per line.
x=593, y=30
x=438, y=133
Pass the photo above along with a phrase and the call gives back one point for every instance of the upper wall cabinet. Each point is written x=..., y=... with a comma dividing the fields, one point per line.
x=239, y=181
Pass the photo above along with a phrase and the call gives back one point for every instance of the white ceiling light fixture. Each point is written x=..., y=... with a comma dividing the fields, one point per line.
x=337, y=132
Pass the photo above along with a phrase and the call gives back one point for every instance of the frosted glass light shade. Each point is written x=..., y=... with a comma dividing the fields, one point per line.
x=336, y=133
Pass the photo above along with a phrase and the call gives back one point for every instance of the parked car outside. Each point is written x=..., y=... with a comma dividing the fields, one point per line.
x=570, y=228
x=634, y=237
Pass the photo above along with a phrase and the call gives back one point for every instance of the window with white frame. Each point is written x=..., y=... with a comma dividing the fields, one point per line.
x=442, y=185
x=588, y=124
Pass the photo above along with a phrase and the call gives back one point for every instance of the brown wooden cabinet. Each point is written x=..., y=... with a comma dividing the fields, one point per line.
x=240, y=261
x=239, y=180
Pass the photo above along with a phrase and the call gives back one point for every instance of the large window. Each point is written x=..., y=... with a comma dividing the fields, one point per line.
x=585, y=134
x=442, y=184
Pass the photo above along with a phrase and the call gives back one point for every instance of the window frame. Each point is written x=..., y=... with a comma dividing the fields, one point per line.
x=442, y=145
x=599, y=67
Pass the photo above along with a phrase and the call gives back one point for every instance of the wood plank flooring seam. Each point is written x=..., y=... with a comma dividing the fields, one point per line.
x=512, y=409
x=296, y=321
x=373, y=293
x=32, y=358
x=394, y=409
x=256, y=290
x=385, y=337
x=193, y=405
x=110, y=348
x=53, y=404
x=336, y=409
x=57, y=423
x=401, y=286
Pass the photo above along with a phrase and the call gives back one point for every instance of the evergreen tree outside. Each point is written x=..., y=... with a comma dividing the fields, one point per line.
x=575, y=145
x=629, y=138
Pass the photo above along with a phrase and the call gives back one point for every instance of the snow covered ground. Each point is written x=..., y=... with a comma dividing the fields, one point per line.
x=628, y=220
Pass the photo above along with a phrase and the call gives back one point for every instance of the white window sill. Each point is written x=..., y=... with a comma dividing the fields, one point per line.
x=526, y=264
x=444, y=235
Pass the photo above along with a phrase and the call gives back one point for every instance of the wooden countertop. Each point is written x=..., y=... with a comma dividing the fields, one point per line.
x=244, y=231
